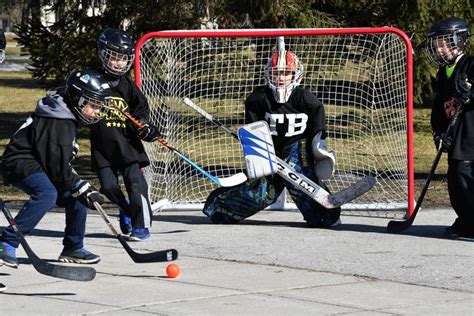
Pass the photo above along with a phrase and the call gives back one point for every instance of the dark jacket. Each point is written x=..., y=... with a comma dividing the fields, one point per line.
x=114, y=141
x=445, y=104
x=44, y=143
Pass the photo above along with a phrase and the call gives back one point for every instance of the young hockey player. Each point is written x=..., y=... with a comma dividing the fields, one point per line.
x=297, y=123
x=116, y=145
x=445, y=45
x=38, y=162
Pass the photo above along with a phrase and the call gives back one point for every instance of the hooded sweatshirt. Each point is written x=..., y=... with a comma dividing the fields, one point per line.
x=44, y=143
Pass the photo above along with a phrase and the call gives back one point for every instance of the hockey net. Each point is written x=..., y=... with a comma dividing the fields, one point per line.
x=362, y=76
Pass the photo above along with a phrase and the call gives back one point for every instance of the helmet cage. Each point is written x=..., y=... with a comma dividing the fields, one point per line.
x=95, y=103
x=444, y=49
x=277, y=68
x=112, y=59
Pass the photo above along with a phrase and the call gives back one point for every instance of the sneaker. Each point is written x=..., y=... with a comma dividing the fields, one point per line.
x=139, y=234
x=449, y=232
x=8, y=255
x=78, y=256
x=3, y=287
x=336, y=223
x=125, y=223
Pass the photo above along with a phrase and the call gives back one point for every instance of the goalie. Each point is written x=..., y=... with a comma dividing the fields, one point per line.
x=297, y=125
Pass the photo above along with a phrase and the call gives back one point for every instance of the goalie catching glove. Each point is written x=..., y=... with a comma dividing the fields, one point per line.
x=87, y=194
x=148, y=132
x=324, y=158
x=258, y=149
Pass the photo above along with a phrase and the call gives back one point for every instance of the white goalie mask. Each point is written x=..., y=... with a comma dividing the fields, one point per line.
x=283, y=73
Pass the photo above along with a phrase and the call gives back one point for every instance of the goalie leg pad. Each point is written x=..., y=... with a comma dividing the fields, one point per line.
x=231, y=205
x=313, y=213
x=258, y=149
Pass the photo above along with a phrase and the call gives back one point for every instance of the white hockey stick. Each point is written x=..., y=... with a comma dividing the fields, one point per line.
x=300, y=181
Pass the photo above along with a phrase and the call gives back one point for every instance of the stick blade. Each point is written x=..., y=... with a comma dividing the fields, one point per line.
x=84, y=274
x=348, y=194
x=157, y=256
x=399, y=226
x=233, y=180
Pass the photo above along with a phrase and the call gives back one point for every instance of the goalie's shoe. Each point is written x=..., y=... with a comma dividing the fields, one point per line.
x=139, y=234
x=125, y=223
x=78, y=256
x=8, y=255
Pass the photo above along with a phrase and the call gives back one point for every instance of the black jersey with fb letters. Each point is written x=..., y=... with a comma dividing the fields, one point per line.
x=114, y=141
x=302, y=117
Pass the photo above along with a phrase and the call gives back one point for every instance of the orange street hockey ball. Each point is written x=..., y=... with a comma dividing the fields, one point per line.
x=172, y=270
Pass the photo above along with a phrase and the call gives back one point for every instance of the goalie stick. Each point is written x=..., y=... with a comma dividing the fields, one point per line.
x=399, y=226
x=44, y=267
x=231, y=181
x=300, y=181
x=157, y=256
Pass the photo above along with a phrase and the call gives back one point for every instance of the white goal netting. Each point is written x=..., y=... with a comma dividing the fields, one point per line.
x=363, y=78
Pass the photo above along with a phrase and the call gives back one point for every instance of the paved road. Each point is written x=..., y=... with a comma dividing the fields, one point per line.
x=270, y=264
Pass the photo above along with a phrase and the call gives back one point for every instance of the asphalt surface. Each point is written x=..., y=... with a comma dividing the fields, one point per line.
x=270, y=264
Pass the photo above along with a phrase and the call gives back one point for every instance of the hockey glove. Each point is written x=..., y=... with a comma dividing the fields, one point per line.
x=445, y=142
x=87, y=194
x=148, y=132
x=75, y=150
x=463, y=88
x=325, y=159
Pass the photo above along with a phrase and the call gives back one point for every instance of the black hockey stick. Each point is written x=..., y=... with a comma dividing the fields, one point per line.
x=157, y=256
x=300, y=181
x=224, y=182
x=43, y=267
x=398, y=226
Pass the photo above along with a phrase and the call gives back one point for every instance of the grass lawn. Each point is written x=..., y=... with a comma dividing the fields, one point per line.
x=19, y=95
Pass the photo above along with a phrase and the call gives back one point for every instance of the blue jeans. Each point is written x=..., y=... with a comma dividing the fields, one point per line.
x=43, y=197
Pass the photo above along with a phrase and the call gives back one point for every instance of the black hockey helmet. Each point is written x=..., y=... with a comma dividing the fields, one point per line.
x=87, y=87
x=116, y=51
x=446, y=40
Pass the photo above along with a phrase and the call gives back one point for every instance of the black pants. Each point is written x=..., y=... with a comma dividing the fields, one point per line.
x=138, y=206
x=461, y=195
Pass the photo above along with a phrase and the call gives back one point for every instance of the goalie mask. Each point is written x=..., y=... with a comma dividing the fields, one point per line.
x=87, y=94
x=116, y=52
x=283, y=73
x=446, y=40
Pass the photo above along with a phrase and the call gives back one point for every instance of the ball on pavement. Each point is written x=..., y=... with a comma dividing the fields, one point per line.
x=172, y=270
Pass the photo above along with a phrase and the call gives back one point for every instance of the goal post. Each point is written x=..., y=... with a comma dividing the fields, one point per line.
x=363, y=77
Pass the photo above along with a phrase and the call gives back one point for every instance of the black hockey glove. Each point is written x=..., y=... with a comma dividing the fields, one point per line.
x=463, y=88
x=446, y=142
x=87, y=194
x=148, y=132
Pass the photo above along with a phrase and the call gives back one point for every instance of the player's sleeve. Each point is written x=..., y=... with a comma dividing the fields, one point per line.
x=54, y=149
x=253, y=108
x=316, y=115
x=138, y=103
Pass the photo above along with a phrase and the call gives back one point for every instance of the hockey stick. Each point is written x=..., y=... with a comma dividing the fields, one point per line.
x=300, y=181
x=44, y=267
x=157, y=256
x=398, y=226
x=231, y=181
